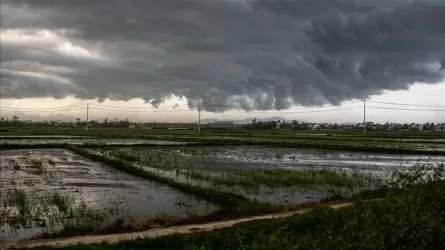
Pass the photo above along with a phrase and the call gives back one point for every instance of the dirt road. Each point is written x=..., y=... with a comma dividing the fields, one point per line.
x=153, y=233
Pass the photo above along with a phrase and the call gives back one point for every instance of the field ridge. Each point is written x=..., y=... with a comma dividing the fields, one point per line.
x=154, y=233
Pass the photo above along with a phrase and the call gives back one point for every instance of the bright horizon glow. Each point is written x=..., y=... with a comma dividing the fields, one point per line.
x=176, y=110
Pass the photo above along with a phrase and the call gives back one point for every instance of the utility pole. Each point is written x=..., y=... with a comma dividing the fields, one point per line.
x=88, y=108
x=364, y=117
x=199, y=118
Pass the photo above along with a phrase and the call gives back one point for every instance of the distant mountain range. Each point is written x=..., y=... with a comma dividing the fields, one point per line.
x=246, y=120
x=52, y=117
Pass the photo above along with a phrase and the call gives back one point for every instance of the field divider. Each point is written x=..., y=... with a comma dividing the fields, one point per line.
x=154, y=233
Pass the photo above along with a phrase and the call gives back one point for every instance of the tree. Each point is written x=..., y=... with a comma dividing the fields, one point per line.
x=15, y=119
x=78, y=121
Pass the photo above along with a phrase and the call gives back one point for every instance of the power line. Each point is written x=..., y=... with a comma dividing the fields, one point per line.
x=143, y=111
x=434, y=110
x=302, y=112
x=315, y=111
x=364, y=116
x=407, y=104
x=139, y=107
x=227, y=106
x=295, y=112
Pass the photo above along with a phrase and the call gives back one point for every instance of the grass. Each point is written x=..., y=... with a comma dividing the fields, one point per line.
x=62, y=202
x=124, y=156
x=21, y=208
x=409, y=216
x=39, y=165
x=284, y=178
x=20, y=199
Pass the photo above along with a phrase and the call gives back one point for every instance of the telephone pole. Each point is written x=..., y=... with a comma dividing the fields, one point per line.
x=199, y=118
x=88, y=108
x=364, y=117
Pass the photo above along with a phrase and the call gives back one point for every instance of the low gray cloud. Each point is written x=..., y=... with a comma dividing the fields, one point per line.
x=263, y=54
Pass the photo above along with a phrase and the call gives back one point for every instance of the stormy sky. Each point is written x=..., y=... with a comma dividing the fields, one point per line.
x=248, y=54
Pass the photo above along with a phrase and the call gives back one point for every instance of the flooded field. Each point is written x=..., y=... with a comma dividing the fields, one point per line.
x=245, y=159
x=43, y=136
x=82, y=141
x=43, y=190
x=272, y=175
x=50, y=190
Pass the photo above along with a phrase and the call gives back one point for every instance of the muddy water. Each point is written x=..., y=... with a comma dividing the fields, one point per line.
x=102, y=188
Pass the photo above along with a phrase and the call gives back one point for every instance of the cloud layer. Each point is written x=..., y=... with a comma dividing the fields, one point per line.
x=263, y=54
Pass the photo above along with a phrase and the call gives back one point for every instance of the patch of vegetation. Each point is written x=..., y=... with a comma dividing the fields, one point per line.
x=123, y=156
x=17, y=167
x=25, y=209
x=285, y=178
x=62, y=202
x=39, y=165
x=409, y=216
x=20, y=199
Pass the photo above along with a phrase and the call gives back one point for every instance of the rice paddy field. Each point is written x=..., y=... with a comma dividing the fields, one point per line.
x=84, y=141
x=44, y=189
x=65, y=185
x=272, y=175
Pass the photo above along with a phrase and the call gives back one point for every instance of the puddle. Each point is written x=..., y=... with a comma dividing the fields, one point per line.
x=101, y=188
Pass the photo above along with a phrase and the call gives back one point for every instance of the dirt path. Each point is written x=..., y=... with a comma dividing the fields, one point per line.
x=153, y=233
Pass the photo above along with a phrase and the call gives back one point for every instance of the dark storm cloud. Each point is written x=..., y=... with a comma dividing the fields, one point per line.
x=264, y=54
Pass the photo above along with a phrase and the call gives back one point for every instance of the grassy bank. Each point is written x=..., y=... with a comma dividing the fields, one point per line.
x=410, y=216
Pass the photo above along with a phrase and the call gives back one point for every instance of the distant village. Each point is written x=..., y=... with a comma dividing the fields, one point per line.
x=254, y=124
